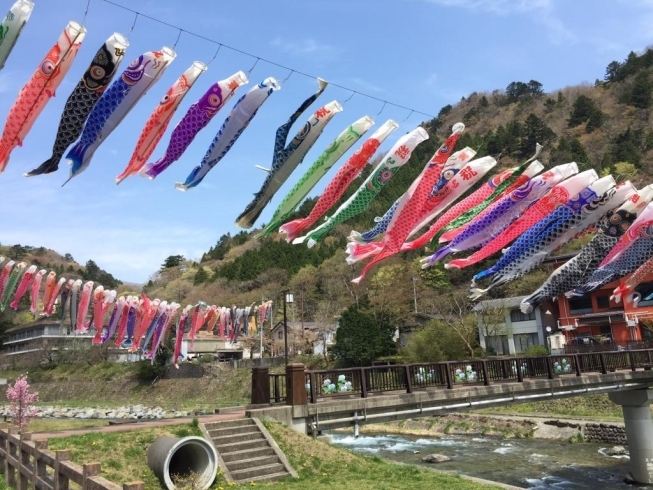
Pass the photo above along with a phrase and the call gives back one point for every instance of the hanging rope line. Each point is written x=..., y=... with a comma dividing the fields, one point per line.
x=259, y=58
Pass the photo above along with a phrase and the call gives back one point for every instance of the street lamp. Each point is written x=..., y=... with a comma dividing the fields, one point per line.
x=287, y=298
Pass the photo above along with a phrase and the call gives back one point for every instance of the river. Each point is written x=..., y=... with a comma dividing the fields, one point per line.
x=527, y=463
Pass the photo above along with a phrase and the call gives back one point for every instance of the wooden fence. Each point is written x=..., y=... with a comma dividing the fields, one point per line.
x=31, y=465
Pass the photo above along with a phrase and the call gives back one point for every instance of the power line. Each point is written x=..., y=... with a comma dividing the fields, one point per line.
x=259, y=58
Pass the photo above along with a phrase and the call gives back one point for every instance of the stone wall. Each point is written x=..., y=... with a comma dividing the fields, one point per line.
x=608, y=433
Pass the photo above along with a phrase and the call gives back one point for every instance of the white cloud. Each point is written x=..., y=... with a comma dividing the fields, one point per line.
x=540, y=11
x=305, y=47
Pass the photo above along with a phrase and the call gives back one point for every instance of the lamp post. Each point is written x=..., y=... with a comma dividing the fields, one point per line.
x=415, y=293
x=287, y=298
x=548, y=338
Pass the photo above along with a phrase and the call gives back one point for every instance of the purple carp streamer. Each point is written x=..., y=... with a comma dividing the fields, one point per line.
x=544, y=237
x=498, y=216
x=195, y=119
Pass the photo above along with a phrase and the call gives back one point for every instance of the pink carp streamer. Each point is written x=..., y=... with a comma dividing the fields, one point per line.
x=34, y=96
x=469, y=175
x=49, y=308
x=343, y=178
x=410, y=206
x=455, y=162
x=82, y=309
x=23, y=286
x=643, y=221
x=36, y=289
x=556, y=197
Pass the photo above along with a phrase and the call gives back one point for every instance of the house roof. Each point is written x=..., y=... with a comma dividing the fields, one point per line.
x=307, y=325
x=38, y=323
x=513, y=302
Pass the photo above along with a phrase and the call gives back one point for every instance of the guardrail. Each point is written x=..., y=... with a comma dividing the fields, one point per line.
x=363, y=381
x=29, y=464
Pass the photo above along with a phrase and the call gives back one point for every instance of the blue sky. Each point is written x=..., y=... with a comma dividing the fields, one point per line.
x=422, y=54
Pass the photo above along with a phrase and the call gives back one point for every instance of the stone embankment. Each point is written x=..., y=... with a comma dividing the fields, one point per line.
x=136, y=412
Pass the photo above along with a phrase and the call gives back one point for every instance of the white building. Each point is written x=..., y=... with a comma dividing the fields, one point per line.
x=516, y=331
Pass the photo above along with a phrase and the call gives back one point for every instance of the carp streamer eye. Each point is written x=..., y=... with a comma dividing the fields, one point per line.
x=214, y=100
x=97, y=72
x=47, y=67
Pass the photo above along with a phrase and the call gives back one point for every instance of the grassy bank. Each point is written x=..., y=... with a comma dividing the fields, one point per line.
x=457, y=424
x=112, y=385
x=122, y=454
x=588, y=407
x=320, y=466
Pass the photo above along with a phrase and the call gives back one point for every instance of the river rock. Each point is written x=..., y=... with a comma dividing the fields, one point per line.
x=436, y=458
x=616, y=451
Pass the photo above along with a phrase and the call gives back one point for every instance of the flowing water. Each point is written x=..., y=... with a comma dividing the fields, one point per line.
x=526, y=463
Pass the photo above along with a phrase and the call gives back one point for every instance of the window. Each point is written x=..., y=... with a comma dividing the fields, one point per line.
x=279, y=334
x=518, y=316
x=525, y=340
x=497, y=344
x=581, y=305
x=645, y=290
x=603, y=302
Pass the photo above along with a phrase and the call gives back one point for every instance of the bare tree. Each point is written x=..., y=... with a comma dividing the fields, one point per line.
x=455, y=311
x=491, y=318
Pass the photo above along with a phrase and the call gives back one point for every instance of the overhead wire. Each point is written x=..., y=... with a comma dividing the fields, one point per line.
x=260, y=58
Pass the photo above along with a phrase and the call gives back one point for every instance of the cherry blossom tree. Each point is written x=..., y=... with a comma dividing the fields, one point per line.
x=21, y=402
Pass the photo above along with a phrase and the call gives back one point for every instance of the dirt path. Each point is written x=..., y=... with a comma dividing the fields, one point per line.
x=140, y=425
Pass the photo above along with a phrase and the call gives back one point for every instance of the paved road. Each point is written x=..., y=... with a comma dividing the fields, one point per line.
x=141, y=425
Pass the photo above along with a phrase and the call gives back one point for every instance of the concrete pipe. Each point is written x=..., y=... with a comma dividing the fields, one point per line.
x=179, y=458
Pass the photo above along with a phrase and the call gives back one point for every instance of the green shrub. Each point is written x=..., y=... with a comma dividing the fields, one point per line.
x=536, y=350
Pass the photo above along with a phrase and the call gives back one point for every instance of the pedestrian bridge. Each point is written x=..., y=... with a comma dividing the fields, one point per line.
x=313, y=401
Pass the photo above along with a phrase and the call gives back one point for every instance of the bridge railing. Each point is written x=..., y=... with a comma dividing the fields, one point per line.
x=375, y=380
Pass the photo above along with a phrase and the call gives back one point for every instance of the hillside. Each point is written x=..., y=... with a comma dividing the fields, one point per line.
x=52, y=261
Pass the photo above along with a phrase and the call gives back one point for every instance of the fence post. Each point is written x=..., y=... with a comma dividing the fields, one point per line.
x=633, y=365
x=10, y=470
x=486, y=377
x=363, y=383
x=447, y=375
x=409, y=382
x=40, y=468
x=549, y=367
x=313, y=381
x=602, y=360
x=89, y=470
x=23, y=461
x=296, y=384
x=520, y=373
x=277, y=389
x=260, y=385
x=577, y=363
x=61, y=481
